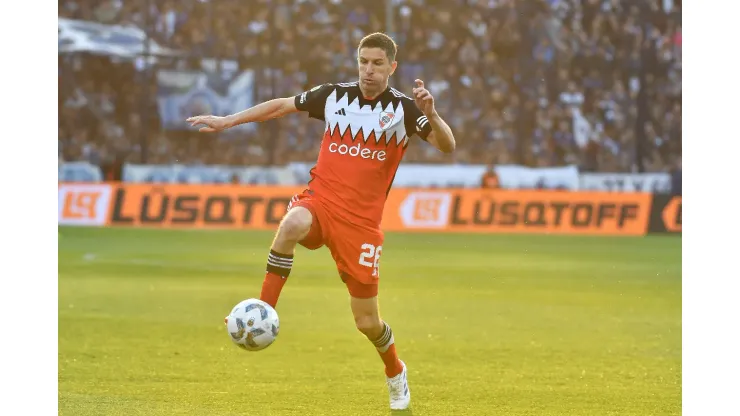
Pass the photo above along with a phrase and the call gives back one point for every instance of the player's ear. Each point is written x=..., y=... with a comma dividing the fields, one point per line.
x=394, y=65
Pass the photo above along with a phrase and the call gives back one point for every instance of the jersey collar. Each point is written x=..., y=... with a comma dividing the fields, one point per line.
x=382, y=97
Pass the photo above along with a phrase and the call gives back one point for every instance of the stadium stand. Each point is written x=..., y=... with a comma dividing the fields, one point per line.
x=595, y=83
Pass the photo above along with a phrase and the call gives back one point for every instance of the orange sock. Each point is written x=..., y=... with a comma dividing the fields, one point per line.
x=278, y=270
x=393, y=365
x=271, y=288
x=385, y=344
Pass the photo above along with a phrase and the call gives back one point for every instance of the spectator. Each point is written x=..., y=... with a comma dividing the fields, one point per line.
x=490, y=178
x=554, y=82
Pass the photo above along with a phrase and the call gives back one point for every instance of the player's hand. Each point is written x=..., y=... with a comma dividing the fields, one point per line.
x=423, y=98
x=212, y=123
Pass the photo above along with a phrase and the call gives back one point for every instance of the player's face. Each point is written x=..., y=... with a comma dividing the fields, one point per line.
x=375, y=69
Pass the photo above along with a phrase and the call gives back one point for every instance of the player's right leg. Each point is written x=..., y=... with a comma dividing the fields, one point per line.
x=295, y=227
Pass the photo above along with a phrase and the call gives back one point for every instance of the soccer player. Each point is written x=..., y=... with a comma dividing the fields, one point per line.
x=368, y=128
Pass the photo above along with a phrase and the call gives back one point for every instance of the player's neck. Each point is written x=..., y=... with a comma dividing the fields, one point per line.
x=372, y=94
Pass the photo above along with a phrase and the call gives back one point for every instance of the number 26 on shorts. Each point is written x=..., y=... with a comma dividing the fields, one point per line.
x=370, y=256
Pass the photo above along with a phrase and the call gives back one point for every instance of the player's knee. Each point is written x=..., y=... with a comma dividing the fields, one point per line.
x=296, y=224
x=370, y=325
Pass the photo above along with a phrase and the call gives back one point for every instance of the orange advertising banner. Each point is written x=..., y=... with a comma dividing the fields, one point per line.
x=199, y=206
x=667, y=214
x=519, y=211
x=262, y=207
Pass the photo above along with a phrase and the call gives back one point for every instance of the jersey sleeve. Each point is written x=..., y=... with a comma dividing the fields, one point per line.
x=416, y=122
x=313, y=101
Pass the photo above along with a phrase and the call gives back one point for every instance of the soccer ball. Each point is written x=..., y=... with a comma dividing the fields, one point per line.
x=252, y=325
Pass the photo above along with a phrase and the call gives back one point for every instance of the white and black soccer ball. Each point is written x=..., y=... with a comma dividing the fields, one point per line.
x=253, y=325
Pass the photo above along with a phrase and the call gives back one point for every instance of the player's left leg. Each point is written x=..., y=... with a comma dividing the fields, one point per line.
x=364, y=303
x=357, y=251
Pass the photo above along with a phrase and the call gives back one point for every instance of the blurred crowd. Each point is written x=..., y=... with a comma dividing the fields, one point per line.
x=595, y=83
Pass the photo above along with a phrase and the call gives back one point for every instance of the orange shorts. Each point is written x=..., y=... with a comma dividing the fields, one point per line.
x=355, y=248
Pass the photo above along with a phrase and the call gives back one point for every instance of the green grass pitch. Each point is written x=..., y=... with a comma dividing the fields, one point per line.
x=488, y=325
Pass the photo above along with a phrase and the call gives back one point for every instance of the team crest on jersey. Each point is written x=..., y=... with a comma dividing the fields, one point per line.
x=385, y=119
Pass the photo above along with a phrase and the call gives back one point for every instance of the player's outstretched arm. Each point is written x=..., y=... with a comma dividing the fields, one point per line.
x=441, y=136
x=262, y=112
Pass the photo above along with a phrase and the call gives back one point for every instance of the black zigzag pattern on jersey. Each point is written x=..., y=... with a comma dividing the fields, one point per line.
x=335, y=134
x=353, y=92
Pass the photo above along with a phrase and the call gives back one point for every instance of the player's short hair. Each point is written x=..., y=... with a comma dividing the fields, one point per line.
x=382, y=41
